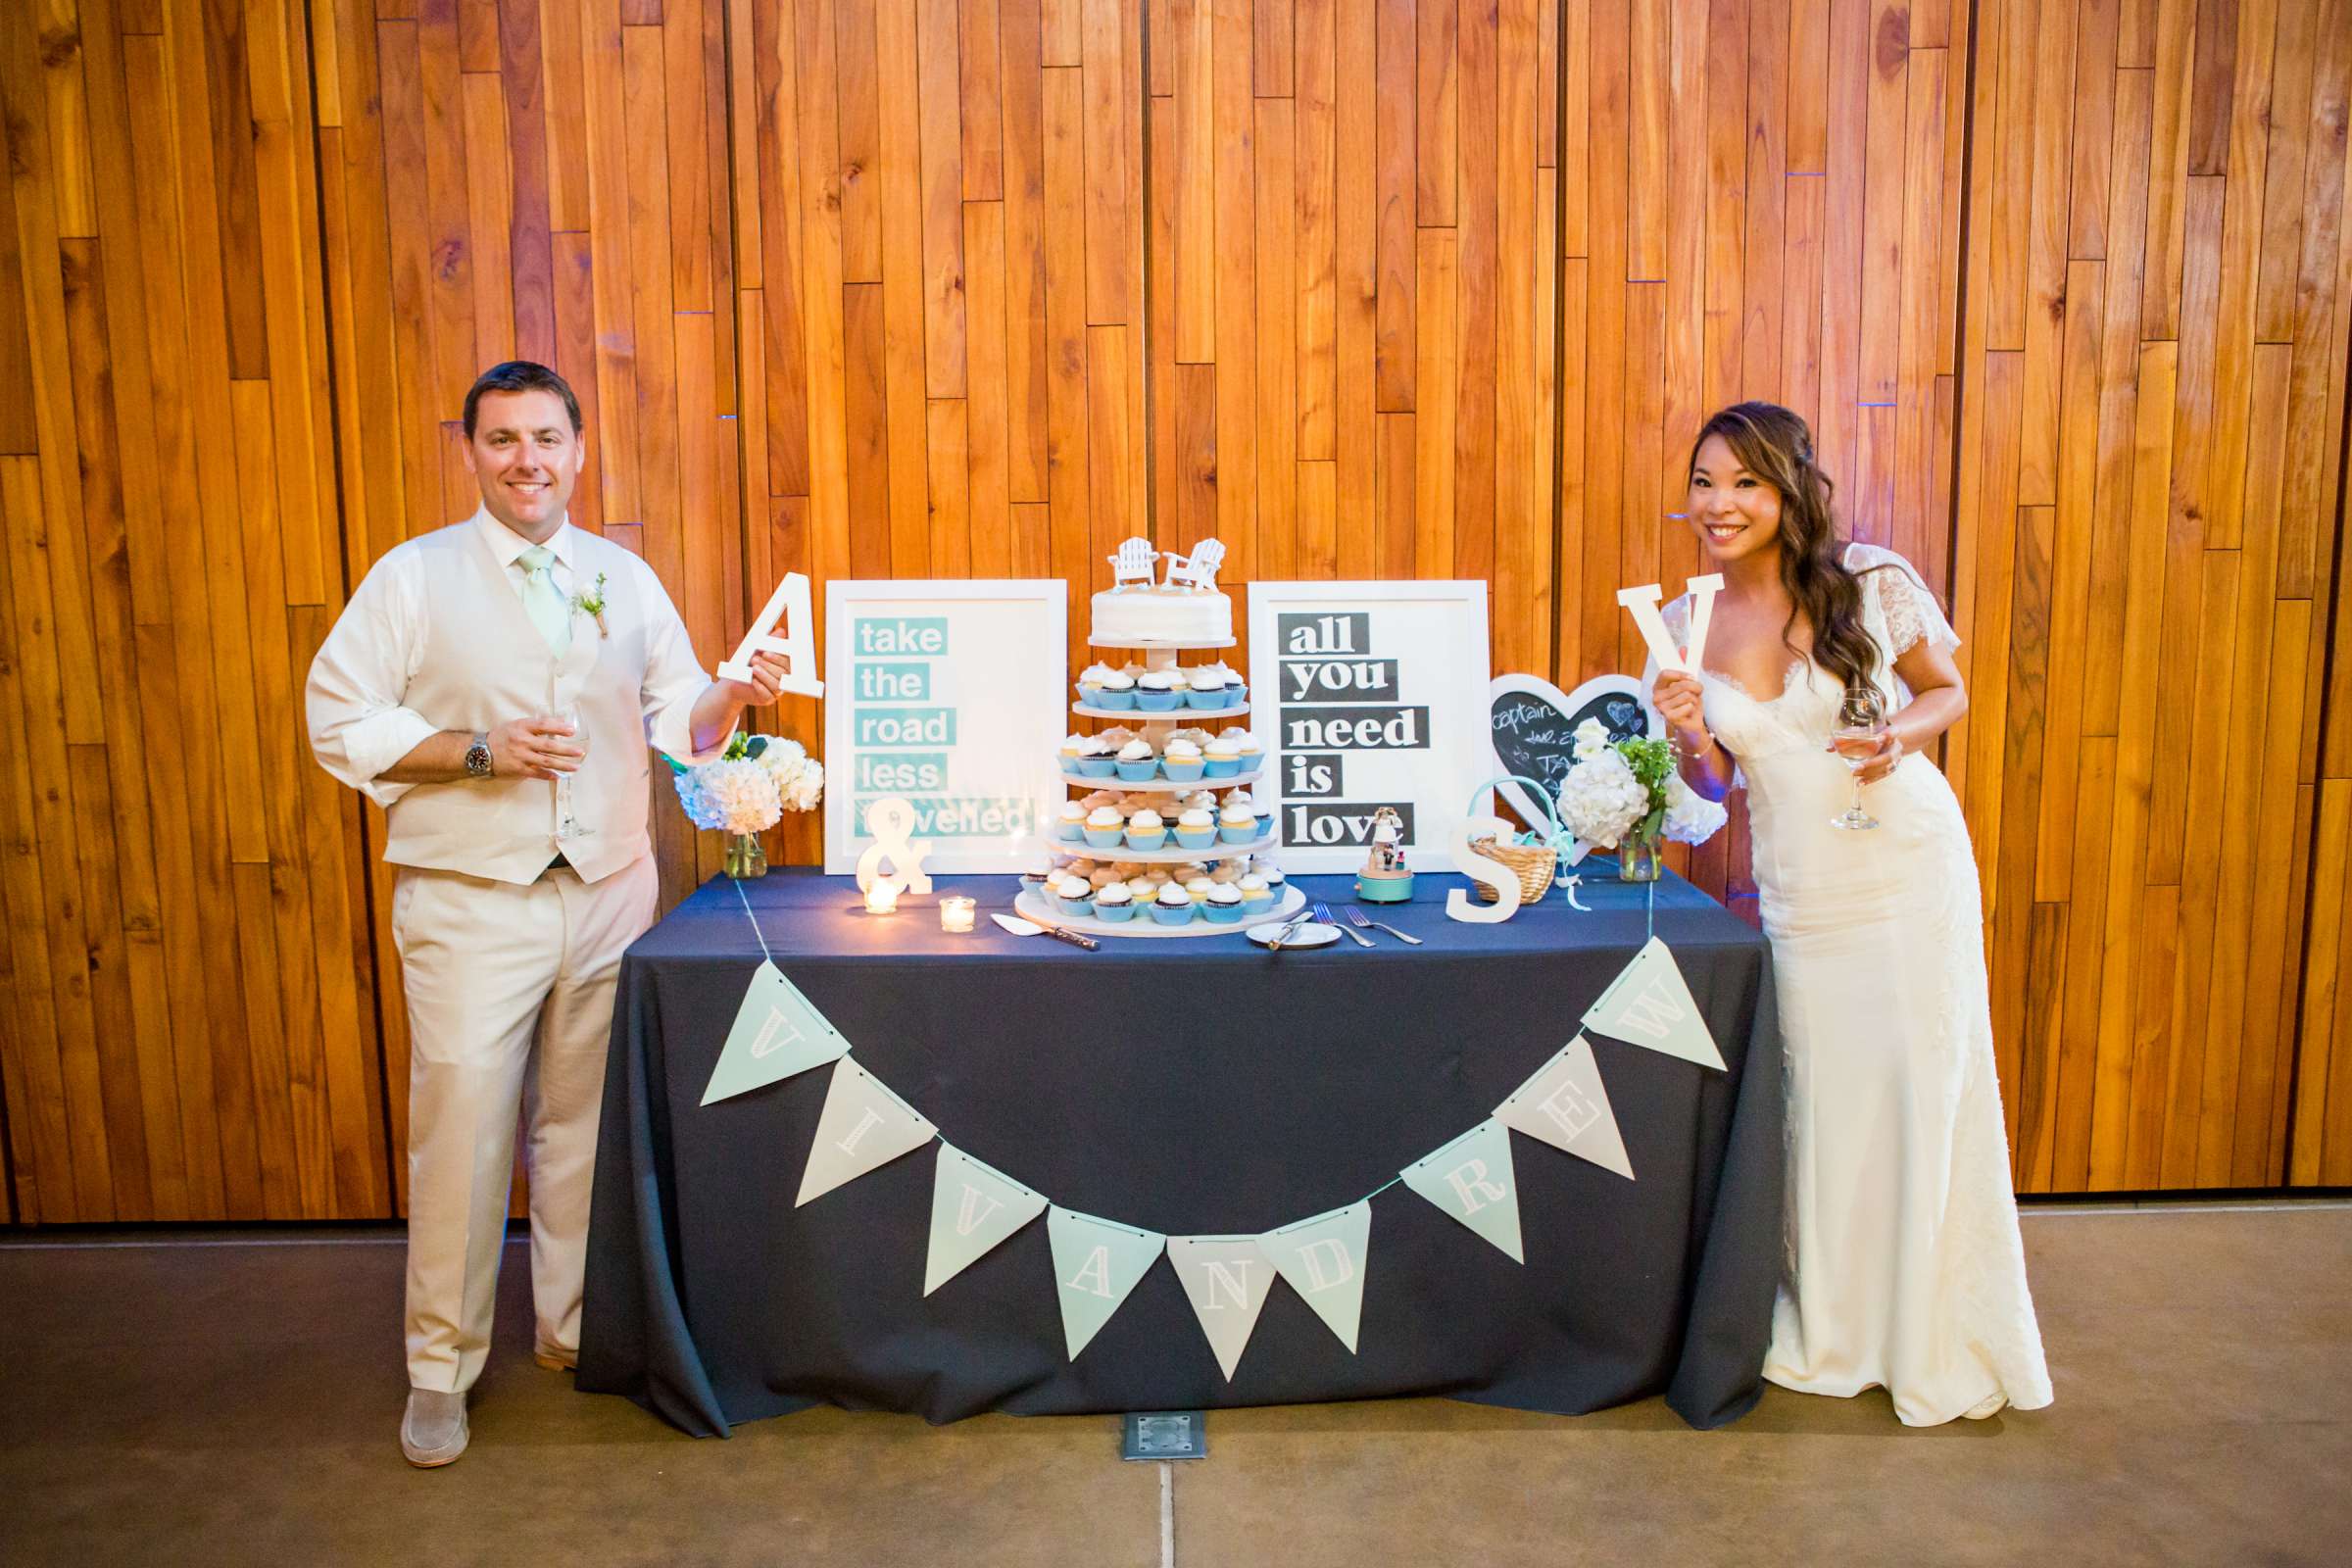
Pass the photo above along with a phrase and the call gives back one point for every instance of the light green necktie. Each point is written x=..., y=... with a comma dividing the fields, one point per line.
x=548, y=610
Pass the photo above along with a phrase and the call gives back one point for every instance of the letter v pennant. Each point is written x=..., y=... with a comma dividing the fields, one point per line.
x=777, y=1032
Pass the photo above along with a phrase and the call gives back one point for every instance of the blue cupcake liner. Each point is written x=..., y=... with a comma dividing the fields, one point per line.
x=1114, y=912
x=1138, y=773
x=1223, y=914
x=1074, y=908
x=1167, y=917
x=1158, y=702
x=1115, y=701
x=1070, y=832
x=1182, y=772
x=1237, y=835
x=1105, y=838
x=1222, y=766
x=1194, y=839
x=1147, y=839
x=1097, y=766
x=1209, y=700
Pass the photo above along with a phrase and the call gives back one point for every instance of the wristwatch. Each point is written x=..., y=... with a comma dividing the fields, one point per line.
x=477, y=758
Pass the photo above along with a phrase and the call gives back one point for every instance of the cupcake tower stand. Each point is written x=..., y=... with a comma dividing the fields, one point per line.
x=1157, y=728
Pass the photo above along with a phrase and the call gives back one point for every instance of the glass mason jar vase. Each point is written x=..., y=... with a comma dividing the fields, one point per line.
x=746, y=856
x=1640, y=856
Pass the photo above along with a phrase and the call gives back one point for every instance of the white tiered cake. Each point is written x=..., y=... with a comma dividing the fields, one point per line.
x=1168, y=839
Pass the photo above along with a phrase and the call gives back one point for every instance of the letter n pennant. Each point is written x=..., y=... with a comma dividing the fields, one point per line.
x=862, y=1125
x=777, y=1032
x=1226, y=1278
x=1096, y=1263
x=973, y=1208
x=1650, y=1006
x=1565, y=1106
x=1472, y=1180
x=1323, y=1259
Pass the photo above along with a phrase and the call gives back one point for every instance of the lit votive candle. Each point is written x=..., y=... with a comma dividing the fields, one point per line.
x=955, y=913
x=882, y=897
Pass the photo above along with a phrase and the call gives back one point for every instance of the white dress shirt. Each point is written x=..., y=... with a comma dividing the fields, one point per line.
x=365, y=666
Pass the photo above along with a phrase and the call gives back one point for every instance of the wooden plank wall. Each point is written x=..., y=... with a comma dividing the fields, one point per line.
x=189, y=1024
x=1364, y=287
x=2148, y=516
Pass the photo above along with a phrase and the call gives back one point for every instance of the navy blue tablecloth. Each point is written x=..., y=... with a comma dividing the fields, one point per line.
x=1190, y=1087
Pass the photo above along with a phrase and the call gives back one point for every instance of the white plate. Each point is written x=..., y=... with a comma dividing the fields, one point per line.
x=1311, y=934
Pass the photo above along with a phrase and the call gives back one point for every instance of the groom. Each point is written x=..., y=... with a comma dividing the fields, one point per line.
x=437, y=695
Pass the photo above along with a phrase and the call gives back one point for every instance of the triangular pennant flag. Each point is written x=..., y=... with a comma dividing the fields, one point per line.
x=974, y=1208
x=862, y=1125
x=1226, y=1278
x=1565, y=1106
x=1323, y=1259
x=1472, y=1180
x=1648, y=1005
x=777, y=1032
x=1096, y=1263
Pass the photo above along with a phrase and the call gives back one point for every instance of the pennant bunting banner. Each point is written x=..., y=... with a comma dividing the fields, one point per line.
x=1226, y=1278
x=777, y=1032
x=1648, y=1005
x=1095, y=1264
x=863, y=1125
x=974, y=1208
x=1472, y=1180
x=1323, y=1259
x=1565, y=1106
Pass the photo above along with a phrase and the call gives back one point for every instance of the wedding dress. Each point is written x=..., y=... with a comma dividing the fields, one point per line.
x=1902, y=1264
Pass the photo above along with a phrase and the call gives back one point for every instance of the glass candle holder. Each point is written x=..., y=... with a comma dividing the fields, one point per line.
x=956, y=912
x=882, y=897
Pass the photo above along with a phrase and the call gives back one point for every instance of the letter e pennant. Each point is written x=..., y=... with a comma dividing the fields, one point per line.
x=1565, y=1106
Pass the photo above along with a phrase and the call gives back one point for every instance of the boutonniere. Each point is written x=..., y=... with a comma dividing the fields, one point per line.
x=592, y=601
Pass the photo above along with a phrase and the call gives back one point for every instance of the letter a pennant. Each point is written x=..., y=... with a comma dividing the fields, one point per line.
x=862, y=1125
x=1226, y=1278
x=974, y=1208
x=1472, y=1180
x=1323, y=1259
x=1096, y=1262
x=1565, y=1106
x=777, y=1032
x=1648, y=1005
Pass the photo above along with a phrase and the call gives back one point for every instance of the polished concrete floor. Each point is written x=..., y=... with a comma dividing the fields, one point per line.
x=234, y=1399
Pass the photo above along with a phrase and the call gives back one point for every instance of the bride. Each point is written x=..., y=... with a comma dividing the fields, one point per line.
x=1829, y=673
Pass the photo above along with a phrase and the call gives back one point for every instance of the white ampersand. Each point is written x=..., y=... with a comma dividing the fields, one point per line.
x=889, y=821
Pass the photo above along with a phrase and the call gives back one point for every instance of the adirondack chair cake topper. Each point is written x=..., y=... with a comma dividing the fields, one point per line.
x=1198, y=571
x=1136, y=565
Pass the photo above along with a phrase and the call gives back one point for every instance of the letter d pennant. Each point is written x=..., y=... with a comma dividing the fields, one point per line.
x=1472, y=1179
x=1648, y=1005
x=1096, y=1263
x=862, y=1125
x=1565, y=1106
x=974, y=1208
x=777, y=1032
x=1323, y=1259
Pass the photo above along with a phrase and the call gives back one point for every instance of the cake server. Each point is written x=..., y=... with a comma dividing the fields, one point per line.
x=1030, y=928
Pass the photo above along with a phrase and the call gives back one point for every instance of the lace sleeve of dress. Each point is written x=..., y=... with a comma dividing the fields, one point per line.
x=1910, y=611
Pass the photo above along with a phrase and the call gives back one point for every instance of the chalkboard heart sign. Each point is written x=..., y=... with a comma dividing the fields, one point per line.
x=1534, y=725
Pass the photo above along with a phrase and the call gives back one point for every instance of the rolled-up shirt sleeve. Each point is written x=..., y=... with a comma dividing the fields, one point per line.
x=358, y=725
x=674, y=679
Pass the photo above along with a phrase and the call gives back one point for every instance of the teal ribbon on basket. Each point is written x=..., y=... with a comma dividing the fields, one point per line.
x=1533, y=856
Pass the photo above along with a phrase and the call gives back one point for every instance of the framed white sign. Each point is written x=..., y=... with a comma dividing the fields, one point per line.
x=1377, y=696
x=953, y=695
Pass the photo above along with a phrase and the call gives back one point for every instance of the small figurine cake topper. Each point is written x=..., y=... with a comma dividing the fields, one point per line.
x=1384, y=878
x=1137, y=566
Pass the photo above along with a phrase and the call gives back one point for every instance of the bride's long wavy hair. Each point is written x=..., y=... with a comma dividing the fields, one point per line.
x=1775, y=446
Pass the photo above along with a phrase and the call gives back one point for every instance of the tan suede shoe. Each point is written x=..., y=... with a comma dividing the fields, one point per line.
x=432, y=1431
x=555, y=1360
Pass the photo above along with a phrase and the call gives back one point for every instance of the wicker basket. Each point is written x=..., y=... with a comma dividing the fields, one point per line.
x=1532, y=863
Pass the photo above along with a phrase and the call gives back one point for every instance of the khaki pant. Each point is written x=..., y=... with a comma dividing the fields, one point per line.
x=510, y=996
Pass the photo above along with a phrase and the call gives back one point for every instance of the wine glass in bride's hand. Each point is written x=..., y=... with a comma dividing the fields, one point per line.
x=1861, y=731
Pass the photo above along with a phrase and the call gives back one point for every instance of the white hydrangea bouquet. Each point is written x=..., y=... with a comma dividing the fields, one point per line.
x=1628, y=795
x=747, y=791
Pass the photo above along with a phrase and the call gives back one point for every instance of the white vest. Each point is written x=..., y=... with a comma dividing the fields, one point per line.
x=485, y=662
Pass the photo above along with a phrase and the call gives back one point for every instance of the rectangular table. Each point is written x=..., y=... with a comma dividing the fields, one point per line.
x=1190, y=1087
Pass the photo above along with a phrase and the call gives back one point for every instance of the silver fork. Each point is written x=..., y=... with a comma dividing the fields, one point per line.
x=1356, y=916
x=1323, y=916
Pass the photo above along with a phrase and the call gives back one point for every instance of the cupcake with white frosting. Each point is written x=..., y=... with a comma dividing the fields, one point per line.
x=1073, y=746
x=1223, y=905
x=1223, y=755
x=1237, y=823
x=1198, y=885
x=1196, y=829
x=1074, y=896
x=1117, y=692
x=1071, y=824
x=1155, y=691
x=1097, y=758
x=1209, y=687
x=1104, y=827
x=1183, y=763
x=1172, y=906
x=1146, y=830
x=1136, y=763
x=1041, y=873
x=1256, y=897
x=1114, y=903
x=1090, y=683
